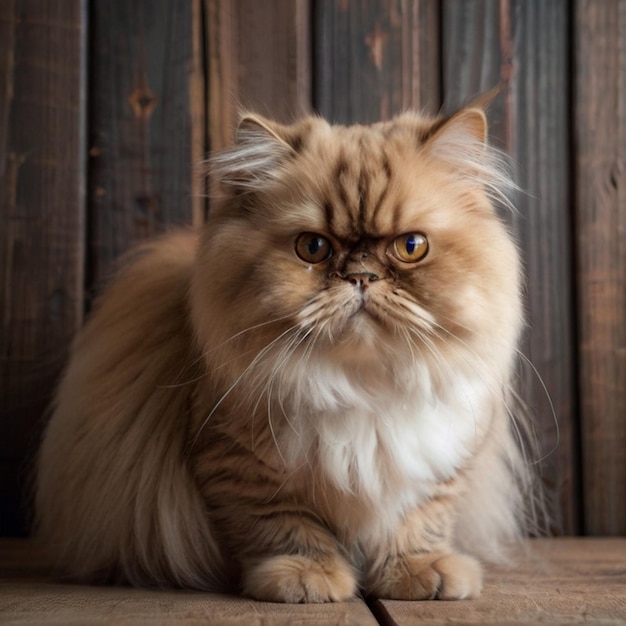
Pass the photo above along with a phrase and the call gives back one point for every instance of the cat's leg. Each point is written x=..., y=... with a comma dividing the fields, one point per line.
x=283, y=552
x=420, y=562
x=288, y=556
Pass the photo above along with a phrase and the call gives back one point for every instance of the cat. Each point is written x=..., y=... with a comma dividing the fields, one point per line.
x=308, y=399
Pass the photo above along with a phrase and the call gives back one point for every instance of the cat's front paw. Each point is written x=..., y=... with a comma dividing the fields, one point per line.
x=430, y=577
x=296, y=579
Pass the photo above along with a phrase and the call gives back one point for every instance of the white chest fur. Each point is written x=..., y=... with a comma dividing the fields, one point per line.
x=388, y=446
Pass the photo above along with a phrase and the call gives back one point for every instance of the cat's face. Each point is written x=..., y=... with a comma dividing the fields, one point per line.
x=365, y=244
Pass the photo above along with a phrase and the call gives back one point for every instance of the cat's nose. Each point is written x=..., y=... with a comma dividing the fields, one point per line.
x=360, y=279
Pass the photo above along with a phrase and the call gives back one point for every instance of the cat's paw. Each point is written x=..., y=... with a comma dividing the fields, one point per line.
x=430, y=577
x=295, y=579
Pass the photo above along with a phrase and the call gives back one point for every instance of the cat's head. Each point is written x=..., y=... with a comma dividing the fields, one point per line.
x=359, y=246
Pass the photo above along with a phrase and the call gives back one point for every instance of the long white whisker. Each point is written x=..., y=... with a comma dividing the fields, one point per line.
x=251, y=328
x=512, y=417
x=552, y=409
x=251, y=365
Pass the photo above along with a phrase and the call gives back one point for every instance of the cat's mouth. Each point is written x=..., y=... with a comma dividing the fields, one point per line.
x=368, y=311
x=364, y=321
x=352, y=319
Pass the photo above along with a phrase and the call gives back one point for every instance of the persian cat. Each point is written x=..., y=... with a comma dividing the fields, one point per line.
x=308, y=399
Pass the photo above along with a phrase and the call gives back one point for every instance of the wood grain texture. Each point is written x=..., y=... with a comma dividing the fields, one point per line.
x=540, y=144
x=42, y=114
x=475, y=57
x=600, y=127
x=258, y=59
x=375, y=59
x=525, y=44
x=30, y=604
x=562, y=581
x=142, y=142
x=31, y=597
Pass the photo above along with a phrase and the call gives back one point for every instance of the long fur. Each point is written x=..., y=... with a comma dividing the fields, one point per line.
x=235, y=417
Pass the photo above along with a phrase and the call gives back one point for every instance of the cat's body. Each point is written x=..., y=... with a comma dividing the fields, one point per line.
x=309, y=398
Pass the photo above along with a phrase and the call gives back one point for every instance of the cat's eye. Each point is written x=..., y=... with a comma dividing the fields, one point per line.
x=410, y=248
x=313, y=248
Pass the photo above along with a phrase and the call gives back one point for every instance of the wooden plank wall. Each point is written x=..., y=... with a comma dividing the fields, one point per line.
x=600, y=174
x=42, y=219
x=145, y=131
x=165, y=79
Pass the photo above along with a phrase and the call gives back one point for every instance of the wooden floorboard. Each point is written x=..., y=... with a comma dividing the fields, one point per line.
x=562, y=581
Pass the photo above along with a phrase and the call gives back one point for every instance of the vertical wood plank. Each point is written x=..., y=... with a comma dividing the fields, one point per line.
x=474, y=57
x=259, y=59
x=144, y=129
x=541, y=146
x=600, y=109
x=198, y=110
x=375, y=58
x=525, y=43
x=42, y=114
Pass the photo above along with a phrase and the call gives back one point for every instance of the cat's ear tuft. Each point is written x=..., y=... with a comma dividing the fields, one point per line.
x=257, y=157
x=460, y=141
x=254, y=127
x=468, y=126
x=472, y=122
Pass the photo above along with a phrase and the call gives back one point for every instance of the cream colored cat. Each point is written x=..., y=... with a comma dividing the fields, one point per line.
x=309, y=399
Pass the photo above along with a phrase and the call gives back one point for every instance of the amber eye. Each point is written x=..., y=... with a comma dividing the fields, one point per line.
x=313, y=248
x=410, y=248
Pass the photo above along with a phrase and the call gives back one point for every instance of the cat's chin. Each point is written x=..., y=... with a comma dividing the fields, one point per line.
x=362, y=337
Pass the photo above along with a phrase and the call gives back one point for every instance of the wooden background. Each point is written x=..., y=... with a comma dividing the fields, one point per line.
x=106, y=107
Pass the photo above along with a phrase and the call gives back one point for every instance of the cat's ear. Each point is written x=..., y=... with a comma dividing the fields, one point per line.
x=258, y=156
x=460, y=141
x=465, y=129
x=254, y=127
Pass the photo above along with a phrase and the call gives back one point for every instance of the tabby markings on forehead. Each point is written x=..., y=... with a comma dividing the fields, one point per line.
x=356, y=201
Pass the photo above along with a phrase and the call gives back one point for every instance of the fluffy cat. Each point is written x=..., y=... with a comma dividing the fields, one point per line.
x=308, y=399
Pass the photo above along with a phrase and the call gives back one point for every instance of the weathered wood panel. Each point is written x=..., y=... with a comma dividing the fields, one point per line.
x=145, y=132
x=472, y=57
x=259, y=58
x=375, y=59
x=560, y=581
x=31, y=596
x=42, y=113
x=600, y=132
x=525, y=45
x=539, y=142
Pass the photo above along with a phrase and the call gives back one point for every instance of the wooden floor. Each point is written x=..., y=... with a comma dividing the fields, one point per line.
x=563, y=581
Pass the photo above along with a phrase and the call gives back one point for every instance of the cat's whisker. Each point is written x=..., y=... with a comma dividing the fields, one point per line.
x=252, y=328
x=191, y=381
x=510, y=389
x=524, y=431
x=296, y=345
x=260, y=387
x=250, y=367
x=439, y=360
x=202, y=356
x=279, y=363
x=486, y=370
x=552, y=409
x=188, y=366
